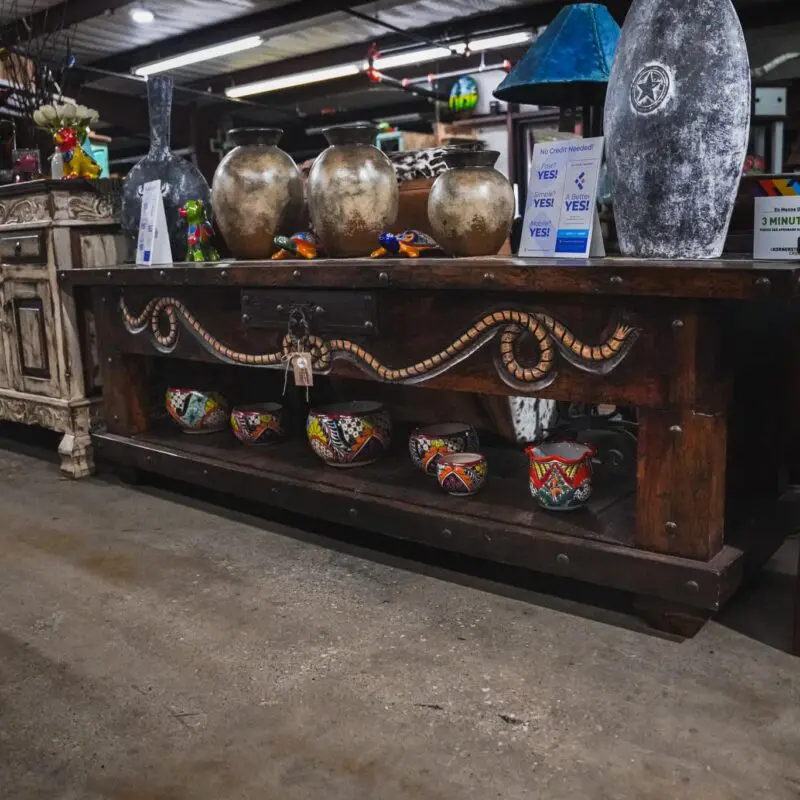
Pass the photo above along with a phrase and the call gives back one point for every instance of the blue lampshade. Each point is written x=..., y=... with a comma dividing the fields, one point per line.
x=569, y=63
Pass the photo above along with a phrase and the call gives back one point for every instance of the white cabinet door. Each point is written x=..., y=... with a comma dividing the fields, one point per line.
x=29, y=309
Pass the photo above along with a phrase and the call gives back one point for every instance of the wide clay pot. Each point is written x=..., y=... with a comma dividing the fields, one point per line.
x=677, y=124
x=181, y=181
x=350, y=434
x=352, y=192
x=471, y=206
x=561, y=474
x=257, y=193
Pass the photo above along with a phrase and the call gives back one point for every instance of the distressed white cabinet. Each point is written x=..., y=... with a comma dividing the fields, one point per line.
x=47, y=366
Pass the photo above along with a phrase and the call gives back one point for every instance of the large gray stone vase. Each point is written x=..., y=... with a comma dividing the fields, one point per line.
x=180, y=179
x=677, y=125
x=257, y=193
x=352, y=192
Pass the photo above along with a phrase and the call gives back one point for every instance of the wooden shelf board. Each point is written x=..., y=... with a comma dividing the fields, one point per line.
x=501, y=524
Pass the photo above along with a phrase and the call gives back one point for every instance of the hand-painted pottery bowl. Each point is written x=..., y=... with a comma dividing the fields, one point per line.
x=427, y=445
x=561, y=474
x=349, y=434
x=261, y=423
x=196, y=411
x=462, y=474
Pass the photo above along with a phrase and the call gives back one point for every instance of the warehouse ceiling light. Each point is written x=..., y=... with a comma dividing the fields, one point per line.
x=419, y=56
x=289, y=81
x=196, y=56
x=142, y=16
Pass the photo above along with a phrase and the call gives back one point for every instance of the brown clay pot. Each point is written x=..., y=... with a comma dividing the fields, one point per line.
x=257, y=193
x=352, y=192
x=471, y=206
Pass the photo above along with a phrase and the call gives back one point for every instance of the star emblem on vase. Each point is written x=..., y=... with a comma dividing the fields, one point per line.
x=650, y=88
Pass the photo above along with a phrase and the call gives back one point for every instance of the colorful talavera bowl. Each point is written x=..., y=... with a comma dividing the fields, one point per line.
x=349, y=434
x=428, y=444
x=197, y=411
x=561, y=474
x=261, y=423
x=462, y=474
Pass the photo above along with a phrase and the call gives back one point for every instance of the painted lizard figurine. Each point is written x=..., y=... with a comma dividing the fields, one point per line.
x=200, y=235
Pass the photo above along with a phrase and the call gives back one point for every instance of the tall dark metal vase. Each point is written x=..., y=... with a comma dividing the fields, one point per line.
x=677, y=126
x=180, y=179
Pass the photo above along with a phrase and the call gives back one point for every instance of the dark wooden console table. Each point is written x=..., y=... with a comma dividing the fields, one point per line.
x=703, y=350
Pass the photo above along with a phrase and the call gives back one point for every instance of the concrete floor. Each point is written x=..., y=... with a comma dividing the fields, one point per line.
x=153, y=648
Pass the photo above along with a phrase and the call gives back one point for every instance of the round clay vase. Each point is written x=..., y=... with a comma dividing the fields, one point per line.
x=352, y=192
x=257, y=193
x=471, y=206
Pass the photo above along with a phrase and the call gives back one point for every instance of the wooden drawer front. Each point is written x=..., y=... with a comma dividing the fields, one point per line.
x=23, y=248
x=32, y=337
x=326, y=311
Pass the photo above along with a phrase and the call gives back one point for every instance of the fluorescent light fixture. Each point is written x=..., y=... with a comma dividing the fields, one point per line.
x=412, y=57
x=197, y=56
x=501, y=40
x=142, y=16
x=386, y=62
x=289, y=81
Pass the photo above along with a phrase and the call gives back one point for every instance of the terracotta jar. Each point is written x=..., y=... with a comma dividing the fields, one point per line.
x=257, y=193
x=352, y=192
x=471, y=206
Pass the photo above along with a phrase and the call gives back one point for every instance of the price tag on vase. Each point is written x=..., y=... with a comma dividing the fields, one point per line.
x=561, y=218
x=777, y=223
x=153, y=245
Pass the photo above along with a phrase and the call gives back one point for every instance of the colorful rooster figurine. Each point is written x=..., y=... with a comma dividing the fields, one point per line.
x=200, y=236
x=77, y=162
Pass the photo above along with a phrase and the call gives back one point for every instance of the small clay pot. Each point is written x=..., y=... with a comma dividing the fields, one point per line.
x=352, y=192
x=257, y=193
x=350, y=434
x=462, y=474
x=197, y=411
x=561, y=474
x=427, y=445
x=471, y=206
x=258, y=424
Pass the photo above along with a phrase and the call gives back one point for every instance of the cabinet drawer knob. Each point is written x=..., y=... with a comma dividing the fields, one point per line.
x=18, y=247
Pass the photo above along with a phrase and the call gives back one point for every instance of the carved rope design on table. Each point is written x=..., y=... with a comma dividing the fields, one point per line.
x=550, y=335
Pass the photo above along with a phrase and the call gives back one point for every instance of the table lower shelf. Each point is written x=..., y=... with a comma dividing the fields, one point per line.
x=501, y=524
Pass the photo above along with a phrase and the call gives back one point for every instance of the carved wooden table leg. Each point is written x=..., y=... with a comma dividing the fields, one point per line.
x=75, y=448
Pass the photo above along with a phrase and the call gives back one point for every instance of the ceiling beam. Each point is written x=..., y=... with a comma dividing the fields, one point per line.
x=250, y=25
x=55, y=18
x=518, y=16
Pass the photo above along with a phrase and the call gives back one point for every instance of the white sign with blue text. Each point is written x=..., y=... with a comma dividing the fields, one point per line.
x=561, y=217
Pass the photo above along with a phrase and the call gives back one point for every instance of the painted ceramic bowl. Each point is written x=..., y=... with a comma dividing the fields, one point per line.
x=261, y=423
x=428, y=444
x=196, y=411
x=462, y=474
x=349, y=434
x=561, y=474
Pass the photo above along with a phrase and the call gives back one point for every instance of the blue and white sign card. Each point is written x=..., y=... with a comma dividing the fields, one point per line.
x=152, y=246
x=561, y=217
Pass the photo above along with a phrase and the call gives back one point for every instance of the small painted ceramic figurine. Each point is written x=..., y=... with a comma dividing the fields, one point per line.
x=77, y=162
x=200, y=235
x=409, y=243
x=299, y=245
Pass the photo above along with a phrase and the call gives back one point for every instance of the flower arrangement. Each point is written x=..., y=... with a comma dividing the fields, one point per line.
x=57, y=116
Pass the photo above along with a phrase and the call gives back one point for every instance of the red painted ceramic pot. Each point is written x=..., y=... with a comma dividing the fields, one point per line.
x=462, y=474
x=261, y=423
x=561, y=474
